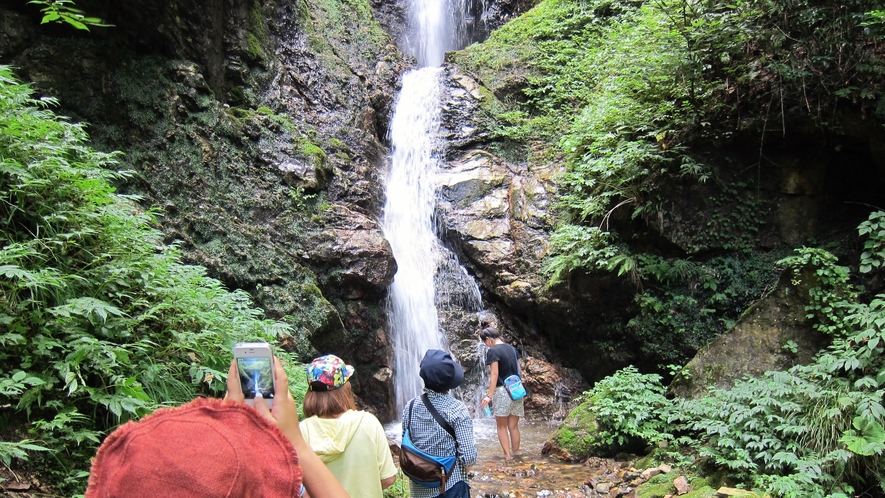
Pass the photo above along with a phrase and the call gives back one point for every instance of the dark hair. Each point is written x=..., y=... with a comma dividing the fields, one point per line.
x=329, y=403
x=489, y=333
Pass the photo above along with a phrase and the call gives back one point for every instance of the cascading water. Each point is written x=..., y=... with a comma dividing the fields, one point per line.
x=436, y=27
x=408, y=226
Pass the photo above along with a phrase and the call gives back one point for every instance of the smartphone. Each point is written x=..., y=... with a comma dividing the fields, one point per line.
x=255, y=366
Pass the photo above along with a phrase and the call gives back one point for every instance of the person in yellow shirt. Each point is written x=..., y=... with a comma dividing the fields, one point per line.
x=350, y=442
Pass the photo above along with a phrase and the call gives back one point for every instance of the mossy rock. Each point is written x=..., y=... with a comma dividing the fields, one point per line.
x=757, y=342
x=703, y=492
x=574, y=439
x=655, y=490
x=716, y=481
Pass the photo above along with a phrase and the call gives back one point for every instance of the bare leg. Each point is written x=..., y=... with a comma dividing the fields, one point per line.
x=503, y=435
x=513, y=429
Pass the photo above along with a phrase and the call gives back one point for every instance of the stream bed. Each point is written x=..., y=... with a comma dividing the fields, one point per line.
x=529, y=473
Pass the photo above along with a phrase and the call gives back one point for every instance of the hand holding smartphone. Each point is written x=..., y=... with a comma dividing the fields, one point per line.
x=255, y=368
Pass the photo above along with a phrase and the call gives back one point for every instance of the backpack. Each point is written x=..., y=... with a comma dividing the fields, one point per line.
x=424, y=469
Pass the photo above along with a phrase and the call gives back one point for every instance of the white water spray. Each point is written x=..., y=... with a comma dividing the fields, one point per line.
x=436, y=27
x=408, y=226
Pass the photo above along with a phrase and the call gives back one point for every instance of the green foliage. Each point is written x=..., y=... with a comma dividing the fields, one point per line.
x=684, y=305
x=65, y=11
x=733, y=220
x=816, y=430
x=629, y=132
x=626, y=406
x=100, y=322
x=874, y=247
x=827, y=286
x=580, y=247
x=400, y=488
x=788, y=56
x=624, y=88
x=17, y=449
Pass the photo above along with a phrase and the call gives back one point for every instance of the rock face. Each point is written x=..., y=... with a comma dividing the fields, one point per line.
x=497, y=214
x=774, y=334
x=257, y=129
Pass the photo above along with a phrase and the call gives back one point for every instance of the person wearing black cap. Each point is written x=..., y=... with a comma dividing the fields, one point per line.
x=440, y=374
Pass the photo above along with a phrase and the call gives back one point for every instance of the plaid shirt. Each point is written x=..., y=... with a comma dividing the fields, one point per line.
x=429, y=436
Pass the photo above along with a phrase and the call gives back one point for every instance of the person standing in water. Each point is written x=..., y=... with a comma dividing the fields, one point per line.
x=503, y=359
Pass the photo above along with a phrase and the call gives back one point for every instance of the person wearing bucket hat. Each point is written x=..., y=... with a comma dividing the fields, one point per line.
x=213, y=448
x=440, y=373
x=351, y=443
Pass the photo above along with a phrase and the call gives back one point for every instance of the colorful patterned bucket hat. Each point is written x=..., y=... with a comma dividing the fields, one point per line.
x=328, y=372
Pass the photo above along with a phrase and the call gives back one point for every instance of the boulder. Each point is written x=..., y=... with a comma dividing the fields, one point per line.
x=773, y=334
x=573, y=440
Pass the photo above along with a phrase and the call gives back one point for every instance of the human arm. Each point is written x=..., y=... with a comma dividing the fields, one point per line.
x=466, y=450
x=386, y=483
x=386, y=468
x=317, y=478
x=493, y=381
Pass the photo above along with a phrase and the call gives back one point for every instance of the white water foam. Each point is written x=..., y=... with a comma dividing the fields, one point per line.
x=408, y=226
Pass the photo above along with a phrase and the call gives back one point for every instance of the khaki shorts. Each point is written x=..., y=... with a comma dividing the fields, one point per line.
x=503, y=406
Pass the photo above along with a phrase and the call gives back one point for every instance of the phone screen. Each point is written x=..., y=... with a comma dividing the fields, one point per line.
x=256, y=376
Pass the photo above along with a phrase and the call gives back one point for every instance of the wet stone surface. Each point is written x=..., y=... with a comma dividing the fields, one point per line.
x=531, y=474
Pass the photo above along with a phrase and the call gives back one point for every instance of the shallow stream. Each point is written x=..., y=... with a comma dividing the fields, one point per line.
x=529, y=473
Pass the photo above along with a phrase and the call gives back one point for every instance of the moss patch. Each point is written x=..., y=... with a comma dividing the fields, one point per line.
x=576, y=434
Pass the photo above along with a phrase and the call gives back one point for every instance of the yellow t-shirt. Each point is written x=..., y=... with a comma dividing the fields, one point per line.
x=354, y=447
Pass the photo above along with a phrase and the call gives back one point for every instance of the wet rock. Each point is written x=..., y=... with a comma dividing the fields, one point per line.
x=773, y=334
x=724, y=492
x=681, y=484
x=602, y=488
x=16, y=32
x=227, y=113
x=353, y=254
x=649, y=473
x=551, y=387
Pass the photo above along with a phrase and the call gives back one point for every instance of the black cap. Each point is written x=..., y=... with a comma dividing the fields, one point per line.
x=439, y=371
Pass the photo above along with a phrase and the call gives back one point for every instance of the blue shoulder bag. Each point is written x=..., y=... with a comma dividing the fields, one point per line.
x=424, y=469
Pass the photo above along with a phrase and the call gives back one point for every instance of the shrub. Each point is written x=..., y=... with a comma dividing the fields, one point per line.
x=99, y=322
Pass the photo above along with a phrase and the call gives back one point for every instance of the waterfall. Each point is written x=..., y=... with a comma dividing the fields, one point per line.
x=408, y=224
x=436, y=27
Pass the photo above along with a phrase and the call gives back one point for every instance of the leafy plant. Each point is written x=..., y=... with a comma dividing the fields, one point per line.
x=874, y=246
x=101, y=323
x=65, y=11
x=400, y=488
x=813, y=431
x=626, y=405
